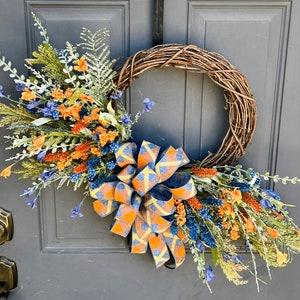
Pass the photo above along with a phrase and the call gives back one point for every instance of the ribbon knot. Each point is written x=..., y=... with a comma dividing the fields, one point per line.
x=143, y=198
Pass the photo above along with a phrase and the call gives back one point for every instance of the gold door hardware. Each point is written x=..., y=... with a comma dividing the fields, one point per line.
x=6, y=226
x=8, y=274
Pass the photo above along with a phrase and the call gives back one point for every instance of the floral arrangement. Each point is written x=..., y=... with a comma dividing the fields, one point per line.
x=70, y=126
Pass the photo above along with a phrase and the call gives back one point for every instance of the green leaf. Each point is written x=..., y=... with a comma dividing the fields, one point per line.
x=215, y=256
x=41, y=121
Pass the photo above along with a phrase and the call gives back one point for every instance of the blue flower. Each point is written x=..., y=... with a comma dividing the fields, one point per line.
x=1, y=92
x=76, y=211
x=75, y=177
x=32, y=105
x=148, y=104
x=113, y=147
x=242, y=186
x=97, y=182
x=206, y=237
x=94, y=162
x=265, y=203
x=48, y=175
x=20, y=87
x=205, y=213
x=40, y=156
x=28, y=193
x=91, y=174
x=117, y=95
x=193, y=229
x=272, y=194
x=209, y=275
x=111, y=165
x=210, y=200
x=49, y=109
x=32, y=203
x=200, y=245
x=83, y=112
x=126, y=120
x=174, y=229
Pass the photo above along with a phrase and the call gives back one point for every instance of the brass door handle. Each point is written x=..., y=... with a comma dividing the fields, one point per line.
x=8, y=268
x=6, y=226
x=8, y=274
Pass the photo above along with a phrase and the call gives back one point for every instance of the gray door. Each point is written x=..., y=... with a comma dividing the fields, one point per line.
x=63, y=258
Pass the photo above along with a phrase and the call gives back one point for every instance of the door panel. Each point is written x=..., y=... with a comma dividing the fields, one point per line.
x=63, y=258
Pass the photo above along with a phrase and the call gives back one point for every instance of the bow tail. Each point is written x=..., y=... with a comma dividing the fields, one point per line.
x=125, y=216
x=176, y=247
x=159, y=249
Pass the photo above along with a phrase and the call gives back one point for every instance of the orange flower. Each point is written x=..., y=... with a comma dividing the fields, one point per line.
x=80, y=168
x=204, y=172
x=234, y=233
x=62, y=164
x=250, y=226
x=282, y=258
x=251, y=201
x=100, y=130
x=79, y=155
x=94, y=115
x=181, y=218
x=58, y=94
x=68, y=93
x=273, y=232
x=227, y=209
x=81, y=65
x=225, y=224
x=95, y=151
x=108, y=137
x=231, y=196
x=195, y=203
x=85, y=98
x=56, y=156
x=28, y=95
x=83, y=147
x=37, y=143
x=78, y=126
x=6, y=172
x=72, y=111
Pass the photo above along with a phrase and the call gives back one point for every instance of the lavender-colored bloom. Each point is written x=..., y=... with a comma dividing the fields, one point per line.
x=76, y=211
x=48, y=175
x=28, y=192
x=126, y=120
x=49, y=109
x=117, y=95
x=148, y=104
x=32, y=203
x=20, y=87
x=1, y=92
x=272, y=194
x=265, y=203
x=209, y=275
x=200, y=245
x=41, y=155
x=33, y=104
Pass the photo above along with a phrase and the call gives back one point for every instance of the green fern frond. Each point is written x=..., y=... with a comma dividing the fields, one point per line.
x=99, y=79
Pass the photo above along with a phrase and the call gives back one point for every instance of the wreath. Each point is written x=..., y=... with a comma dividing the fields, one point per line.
x=70, y=126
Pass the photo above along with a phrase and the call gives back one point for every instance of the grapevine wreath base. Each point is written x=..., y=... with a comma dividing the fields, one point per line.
x=239, y=100
x=70, y=126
